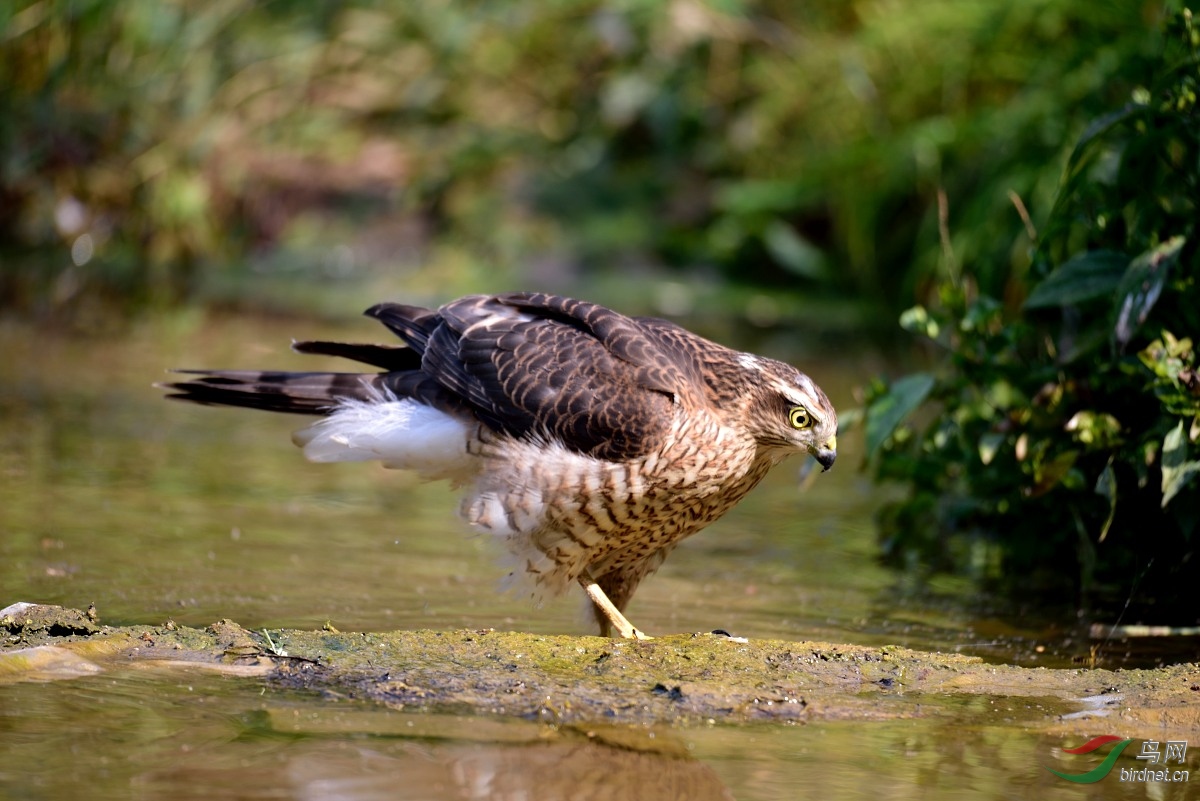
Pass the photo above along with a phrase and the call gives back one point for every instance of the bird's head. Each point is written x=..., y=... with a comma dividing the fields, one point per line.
x=791, y=412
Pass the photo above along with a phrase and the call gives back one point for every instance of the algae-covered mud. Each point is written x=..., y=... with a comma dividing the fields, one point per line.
x=683, y=679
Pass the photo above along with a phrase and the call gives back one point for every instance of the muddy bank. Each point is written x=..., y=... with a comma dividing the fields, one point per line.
x=579, y=681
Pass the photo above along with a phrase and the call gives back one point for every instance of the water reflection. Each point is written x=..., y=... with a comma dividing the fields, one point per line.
x=183, y=734
x=364, y=770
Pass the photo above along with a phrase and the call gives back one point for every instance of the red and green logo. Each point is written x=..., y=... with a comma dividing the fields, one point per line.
x=1100, y=771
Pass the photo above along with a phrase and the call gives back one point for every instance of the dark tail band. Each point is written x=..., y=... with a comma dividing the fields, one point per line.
x=297, y=393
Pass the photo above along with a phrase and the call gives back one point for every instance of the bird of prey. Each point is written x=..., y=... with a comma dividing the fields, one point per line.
x=589, y=442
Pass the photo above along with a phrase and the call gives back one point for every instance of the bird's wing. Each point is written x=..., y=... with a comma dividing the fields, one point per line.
x=532, y=364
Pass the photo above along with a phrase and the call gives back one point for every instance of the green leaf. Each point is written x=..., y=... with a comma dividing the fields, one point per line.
x=1098, y=128
x=1170, y=359
x=1177, y=471
x=892, y=408
x=1086, y=276
x=1141, y=285
x=989, y=446
x=750, y=198
x=1084, y=155
x=1096, y=430
x=918, y=321
x=1047, y=475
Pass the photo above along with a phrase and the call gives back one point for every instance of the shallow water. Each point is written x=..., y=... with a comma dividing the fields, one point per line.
x=187, y=734
x=157, y=511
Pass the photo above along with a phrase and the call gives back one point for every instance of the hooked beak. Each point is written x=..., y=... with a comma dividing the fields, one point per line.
x=826, y=453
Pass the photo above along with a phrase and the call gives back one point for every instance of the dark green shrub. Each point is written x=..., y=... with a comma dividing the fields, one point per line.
x=1053, y=449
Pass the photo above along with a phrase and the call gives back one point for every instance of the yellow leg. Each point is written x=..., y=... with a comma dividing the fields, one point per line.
x=609, y=610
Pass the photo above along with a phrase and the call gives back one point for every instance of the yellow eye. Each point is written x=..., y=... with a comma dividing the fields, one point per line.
x=799, y=417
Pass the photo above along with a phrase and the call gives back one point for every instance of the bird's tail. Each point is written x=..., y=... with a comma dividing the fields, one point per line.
x=297, y=393
x=400, y=416
x=310, y=393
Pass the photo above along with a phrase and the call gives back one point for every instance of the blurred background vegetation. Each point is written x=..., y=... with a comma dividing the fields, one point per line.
x=783, y=159
x=793, y=164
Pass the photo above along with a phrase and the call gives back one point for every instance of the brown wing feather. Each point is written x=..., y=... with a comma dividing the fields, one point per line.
x=414, y=324
x=706, y=363
x=542, y=365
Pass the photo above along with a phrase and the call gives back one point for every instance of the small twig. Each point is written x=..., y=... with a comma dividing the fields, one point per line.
x=944, y=233
x=1030, y=230
x=1100, y=631
x=1115, y=627
x=296, y=658
x=272, y=648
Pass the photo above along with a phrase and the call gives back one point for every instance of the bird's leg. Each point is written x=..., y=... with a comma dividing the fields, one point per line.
x=609, y=613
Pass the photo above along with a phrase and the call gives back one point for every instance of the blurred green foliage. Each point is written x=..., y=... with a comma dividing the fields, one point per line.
x=799, y=146
x=1057, y=446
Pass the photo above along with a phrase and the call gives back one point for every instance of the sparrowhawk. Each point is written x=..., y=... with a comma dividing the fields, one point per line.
x=589, y=442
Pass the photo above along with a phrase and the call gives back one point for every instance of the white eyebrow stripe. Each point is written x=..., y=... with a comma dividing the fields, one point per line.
x=801, y=391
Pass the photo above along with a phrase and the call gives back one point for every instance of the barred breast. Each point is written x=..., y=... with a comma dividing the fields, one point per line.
x=560, y=512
